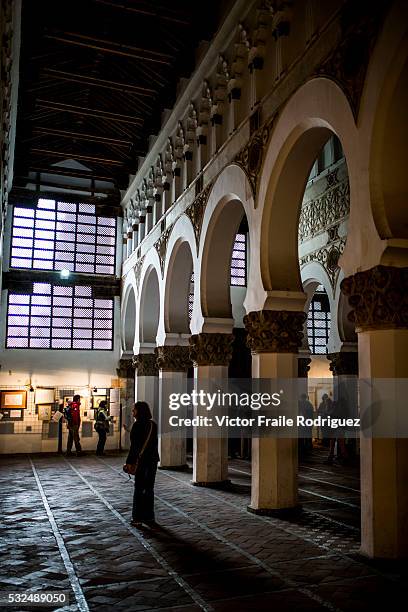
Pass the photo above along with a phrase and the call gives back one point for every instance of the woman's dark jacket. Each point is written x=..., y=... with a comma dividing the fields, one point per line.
x=138, y=435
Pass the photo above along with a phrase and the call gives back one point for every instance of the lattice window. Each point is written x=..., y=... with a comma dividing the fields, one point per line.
x=239, y=261
x=63, y=235
x=191, y=298
x=59, y=317
x=318, y=322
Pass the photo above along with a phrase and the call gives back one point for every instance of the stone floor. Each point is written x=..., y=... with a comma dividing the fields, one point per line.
x=65, y=527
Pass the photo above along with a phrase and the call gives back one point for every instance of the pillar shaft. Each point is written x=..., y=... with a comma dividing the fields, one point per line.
x=274, y=338
x=378, y=297
x=210, y=354
x=173, y=362
x=146, y=378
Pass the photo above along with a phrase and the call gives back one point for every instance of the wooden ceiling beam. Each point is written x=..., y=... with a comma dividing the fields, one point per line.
x=82, y=174
x=157, y=13
x=99, y=82
x=81, y=136
x=87, y=112
x=76, y=156
x=109, y=46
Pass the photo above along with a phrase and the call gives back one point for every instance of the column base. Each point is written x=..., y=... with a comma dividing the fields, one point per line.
x=174, y=468
x=217, y=484
x=282, y=513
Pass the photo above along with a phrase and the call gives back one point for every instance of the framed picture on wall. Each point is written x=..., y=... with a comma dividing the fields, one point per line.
x=13, y=399
x=44, y=412
x=97, y=399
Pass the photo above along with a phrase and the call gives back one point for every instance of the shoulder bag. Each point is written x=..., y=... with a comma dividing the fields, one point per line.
x=131, y=468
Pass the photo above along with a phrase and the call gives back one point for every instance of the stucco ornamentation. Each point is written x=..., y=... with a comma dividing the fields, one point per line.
x=378, y=298
x=211, y=349
x=173, y=358
x=195, y=211
x=145, y=364
x=274, y=331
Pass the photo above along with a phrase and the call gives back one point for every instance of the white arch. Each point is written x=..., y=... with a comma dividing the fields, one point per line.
x=182, y=233
x=231, y=191
x=151, y=265
x=316, y=110
x=129, y=288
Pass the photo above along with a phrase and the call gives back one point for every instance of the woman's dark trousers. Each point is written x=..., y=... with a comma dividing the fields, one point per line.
x=143, y=498
x=101, y=442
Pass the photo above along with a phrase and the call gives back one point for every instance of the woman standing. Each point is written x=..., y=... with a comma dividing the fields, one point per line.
x=143, y=452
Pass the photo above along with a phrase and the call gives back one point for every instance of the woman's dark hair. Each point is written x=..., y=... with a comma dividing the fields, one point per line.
x=143, y=411
x=103, y=404
x=76, y=398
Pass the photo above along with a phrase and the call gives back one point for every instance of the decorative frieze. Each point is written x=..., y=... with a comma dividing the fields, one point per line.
x=251, y=156
x=138, y=270
x=378, y=298
x=274, y=331
x=195, y=211
x=145, y=364
x=344, y=363
x=328, y=256
x=211, y=349
x=173, y=358
x=319, y=214
x=161, y=247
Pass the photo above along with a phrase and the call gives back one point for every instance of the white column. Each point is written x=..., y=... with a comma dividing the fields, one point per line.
x=383, y=362
x=210, y=353
x=172, y=362
x=274, y=338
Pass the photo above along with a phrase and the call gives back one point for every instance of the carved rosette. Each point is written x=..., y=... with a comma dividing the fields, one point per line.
x=211, y=349
x=145, y=364
x=195, y=212
x=173, y=358
x=274, y=331
x=125, y=369
x=251, y=156
x=378, y=298
x=161, y=247
x=344, y=364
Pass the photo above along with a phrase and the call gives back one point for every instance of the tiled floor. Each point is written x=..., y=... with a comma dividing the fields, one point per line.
x=65, y=527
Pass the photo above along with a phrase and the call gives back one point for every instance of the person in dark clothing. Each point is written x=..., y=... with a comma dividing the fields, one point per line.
x=305, y=433
x=144, y=452
x=73, y=416
x=101, y=426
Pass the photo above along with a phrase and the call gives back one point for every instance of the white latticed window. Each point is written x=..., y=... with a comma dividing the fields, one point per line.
x=63, y=235
x=318, y=322
x=238, y=261
x=59, y=317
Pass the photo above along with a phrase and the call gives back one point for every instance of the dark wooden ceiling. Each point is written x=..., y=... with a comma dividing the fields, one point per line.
x=95, y=76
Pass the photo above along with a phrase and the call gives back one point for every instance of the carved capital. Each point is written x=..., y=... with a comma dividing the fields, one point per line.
x=145, y=364
x=303, y=366
x=378, y=298
x=211, y=349
x=274, y=331
x=125, y=369
x=173, y=358
x=344, y=364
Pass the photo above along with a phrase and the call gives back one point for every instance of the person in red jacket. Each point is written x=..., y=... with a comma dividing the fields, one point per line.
x=73, y=417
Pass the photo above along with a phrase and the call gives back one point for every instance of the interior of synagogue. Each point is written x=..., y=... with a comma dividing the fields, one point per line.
x=203, y=305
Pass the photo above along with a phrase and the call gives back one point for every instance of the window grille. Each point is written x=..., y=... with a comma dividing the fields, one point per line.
x=63, y=235
x=318, y=322
x=191, y=298
x=59, y=317
x=238, y=261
